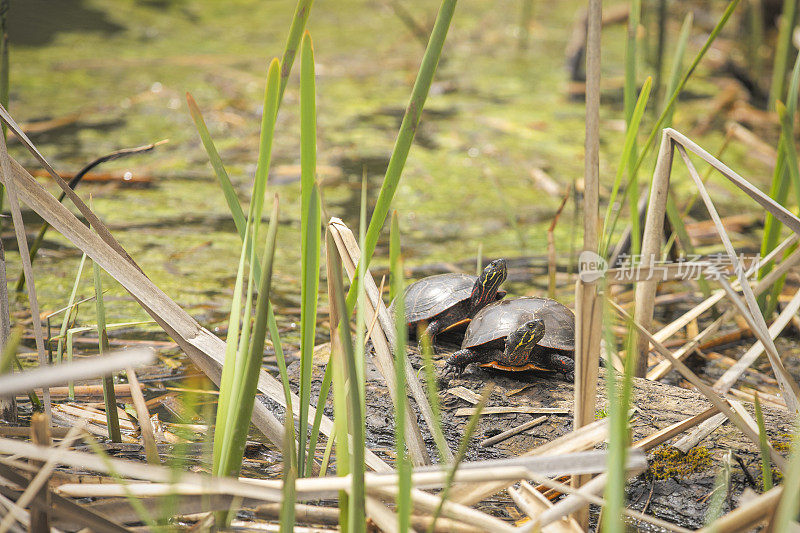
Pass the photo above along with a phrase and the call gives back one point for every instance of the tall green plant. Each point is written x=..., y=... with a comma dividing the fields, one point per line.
x=243, y=355
x=673, y=98
x=783, y=49
x=619, y=390
x=629, y=102
x=763, y=445
x=347, y=408
x=789, y=505
x=309, y=244
x=243, y=359
x=405, y=137
x=403, y=464
x=110, y=397
x=784, y=174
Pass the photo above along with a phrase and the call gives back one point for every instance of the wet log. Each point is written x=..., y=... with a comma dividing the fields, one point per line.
x=675, y=487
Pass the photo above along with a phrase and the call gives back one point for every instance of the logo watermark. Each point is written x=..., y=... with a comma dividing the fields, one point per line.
x=593, y=267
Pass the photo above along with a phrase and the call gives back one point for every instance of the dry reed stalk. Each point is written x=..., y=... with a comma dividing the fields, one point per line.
x=748, y=515
x=383, y=517
x=664, y=367
x=700, y=432
x=751, y=312
x=716, y=400
x=533, y=503
x=27, y=269
x=732, y=375
x=450, y=509
x=145, y=426
x=663, y=435
x=651, y=247
x=581, y=439
x=347, y=246
x=204, y=349
x=511, y=432
x=83, y=369
x=596, y=500
x=37, y=485
x=551, y=245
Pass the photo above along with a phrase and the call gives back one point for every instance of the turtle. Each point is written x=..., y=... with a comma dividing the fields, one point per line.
x=528, y=333
x=448, y=300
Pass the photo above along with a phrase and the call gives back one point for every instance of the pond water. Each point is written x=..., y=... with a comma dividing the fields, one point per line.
x=116, y=73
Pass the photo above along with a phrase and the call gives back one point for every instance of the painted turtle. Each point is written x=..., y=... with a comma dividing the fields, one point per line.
x=447, y=300
x=521, y=334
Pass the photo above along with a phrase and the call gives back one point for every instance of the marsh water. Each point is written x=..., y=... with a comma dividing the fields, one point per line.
x=108, y=75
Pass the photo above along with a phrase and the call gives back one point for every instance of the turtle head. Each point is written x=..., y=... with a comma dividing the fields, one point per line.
x=485, y=290
x=522, y=341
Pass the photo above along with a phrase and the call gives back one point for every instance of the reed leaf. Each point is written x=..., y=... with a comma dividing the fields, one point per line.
x=720, y=492
x=784, y=174
x=219, y=168
x=403, y=464
x=625, y=158
x=405, y=137
x=629, y=102
x=299, y=20
x=349, y=411
x=247, y=365
x=469, y=431
x=433, y=397
x=68, y=313
x=619, y=391
x=110, y=398
x=789, y=505
x=677, y=66
x=309, y=245
x=763, y=444
x=673, y=98
x=9, y=351
x=783, y=49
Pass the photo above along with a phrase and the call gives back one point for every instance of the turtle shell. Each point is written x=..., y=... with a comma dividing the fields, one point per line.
x=430, y=296
x=500, y=319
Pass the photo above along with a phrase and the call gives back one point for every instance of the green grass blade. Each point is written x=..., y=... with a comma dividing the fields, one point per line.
x=246, y=382
x=9, y=352
x=677, y=66
x=405, y=137
x=301, y=12
x=783, y=175
x=469, y=431
x=619, y=390
x=789, y=505
x=68, y=314
x=352, y=414
x=766, y=469
x=310, y=244
x=228, y=368
x=403, y=464
x=265, y=143
x=216, y=163
x=433, y=398
x=112, y=418
x=720, y=492
x=629, y=102
x=669, y=107
x=783, y=49
x=625, y=157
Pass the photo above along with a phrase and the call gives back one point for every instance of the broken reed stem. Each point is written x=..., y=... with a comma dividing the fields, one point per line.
x=588, y=322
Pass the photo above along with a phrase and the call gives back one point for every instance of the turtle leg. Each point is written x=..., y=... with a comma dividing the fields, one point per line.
x=459, y=360
x=560, y=363
x=434, y=327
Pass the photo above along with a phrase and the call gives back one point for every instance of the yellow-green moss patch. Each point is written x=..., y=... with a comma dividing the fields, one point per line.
x=667, y=462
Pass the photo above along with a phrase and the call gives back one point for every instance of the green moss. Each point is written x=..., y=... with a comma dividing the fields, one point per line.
x=668, y=462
